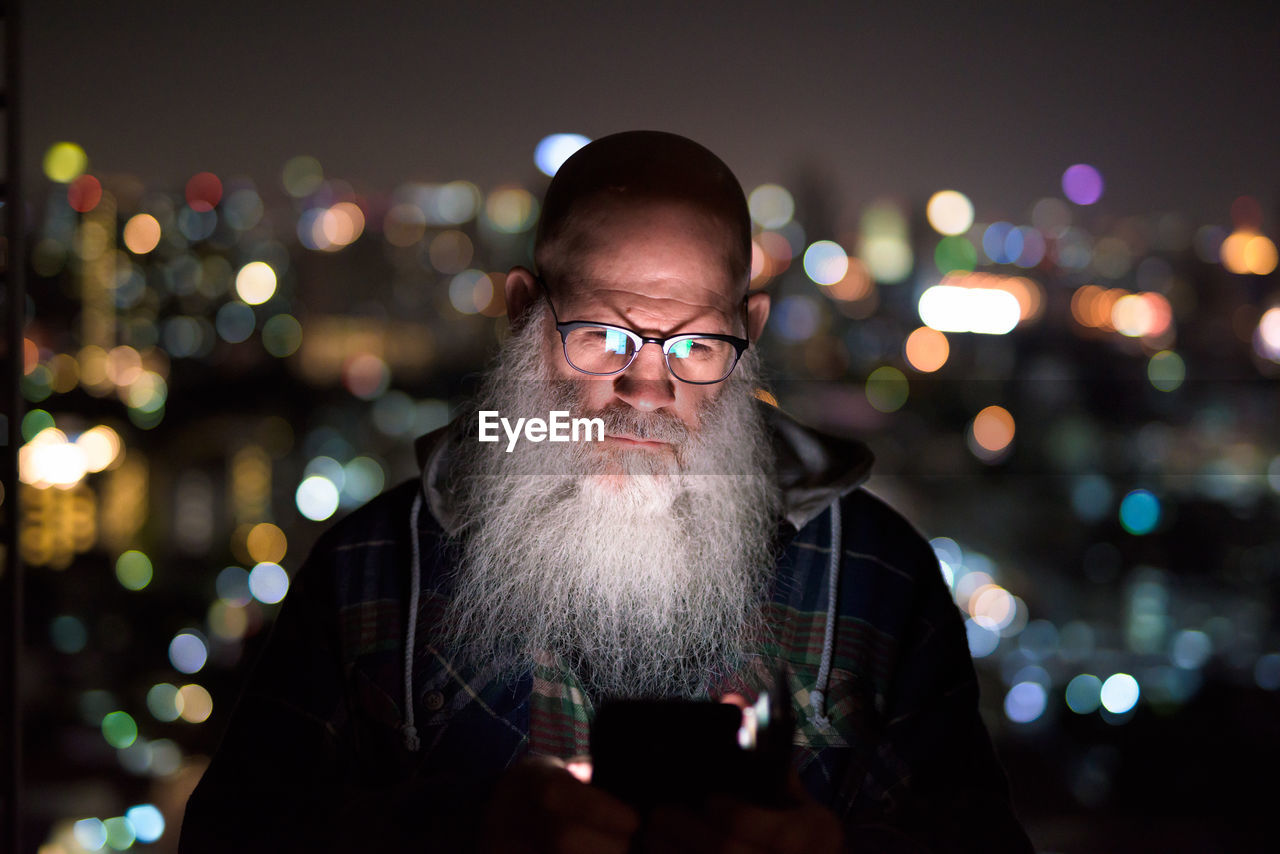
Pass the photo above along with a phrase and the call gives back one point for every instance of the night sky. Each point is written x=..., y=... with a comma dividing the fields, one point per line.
x=1179, y=112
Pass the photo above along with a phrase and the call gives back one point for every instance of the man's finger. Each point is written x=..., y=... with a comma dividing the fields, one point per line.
x=578, y=839
x=804, y=829
x=673, y=830
x=564, y=796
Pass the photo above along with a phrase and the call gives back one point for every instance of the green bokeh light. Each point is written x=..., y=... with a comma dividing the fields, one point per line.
x=119, y=729
x=887, y=388
x=133, y=570
x=955, y=253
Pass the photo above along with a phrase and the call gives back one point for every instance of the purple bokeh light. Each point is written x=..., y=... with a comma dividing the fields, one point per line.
x=1082, y=184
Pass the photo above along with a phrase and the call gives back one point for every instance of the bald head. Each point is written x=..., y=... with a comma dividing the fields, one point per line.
x=636, y=170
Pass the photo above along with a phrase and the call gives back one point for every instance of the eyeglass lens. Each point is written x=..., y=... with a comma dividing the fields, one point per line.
x=600, y=350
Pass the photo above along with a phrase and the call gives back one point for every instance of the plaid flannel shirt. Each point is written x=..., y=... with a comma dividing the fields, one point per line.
x=314, y=758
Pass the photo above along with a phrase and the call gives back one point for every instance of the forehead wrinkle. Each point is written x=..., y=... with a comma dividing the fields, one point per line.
x=630, y=306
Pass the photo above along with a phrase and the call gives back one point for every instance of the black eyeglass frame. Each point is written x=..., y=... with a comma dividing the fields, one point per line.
x=740, y=345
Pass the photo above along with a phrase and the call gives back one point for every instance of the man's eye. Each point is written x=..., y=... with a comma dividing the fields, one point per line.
x=614, y=341
x=691, y=348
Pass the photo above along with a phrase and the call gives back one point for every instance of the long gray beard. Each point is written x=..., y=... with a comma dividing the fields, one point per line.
x=645, y=576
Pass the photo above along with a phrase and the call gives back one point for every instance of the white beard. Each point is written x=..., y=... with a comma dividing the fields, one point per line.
x=645, y=574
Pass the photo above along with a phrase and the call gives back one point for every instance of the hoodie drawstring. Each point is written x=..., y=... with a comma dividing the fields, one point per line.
x=408, y=730
x=817, y=697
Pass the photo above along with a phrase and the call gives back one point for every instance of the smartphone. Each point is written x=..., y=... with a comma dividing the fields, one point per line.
x=650, y=752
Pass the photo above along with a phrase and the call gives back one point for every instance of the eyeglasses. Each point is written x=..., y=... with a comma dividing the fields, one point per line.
x=601, y=349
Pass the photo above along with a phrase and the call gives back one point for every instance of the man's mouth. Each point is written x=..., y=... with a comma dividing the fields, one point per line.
x=626, y=441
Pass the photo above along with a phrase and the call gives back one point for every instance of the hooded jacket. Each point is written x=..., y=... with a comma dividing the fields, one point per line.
x=356, y=730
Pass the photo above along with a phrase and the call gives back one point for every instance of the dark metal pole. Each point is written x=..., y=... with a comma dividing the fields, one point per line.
x=15, y=308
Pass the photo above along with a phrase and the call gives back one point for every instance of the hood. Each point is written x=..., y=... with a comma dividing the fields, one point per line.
x=814, y=468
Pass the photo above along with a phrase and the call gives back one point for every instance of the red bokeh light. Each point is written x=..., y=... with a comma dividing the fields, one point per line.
x=204, y=191
x=84, y=193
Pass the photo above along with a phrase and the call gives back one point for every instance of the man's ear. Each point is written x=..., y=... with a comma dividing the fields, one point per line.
x=522, y=291
x=757, y=314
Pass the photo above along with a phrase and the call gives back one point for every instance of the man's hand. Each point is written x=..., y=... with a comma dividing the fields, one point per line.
x=539, y=806
x=728, y=826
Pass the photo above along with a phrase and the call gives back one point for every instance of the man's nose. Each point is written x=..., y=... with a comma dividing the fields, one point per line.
x=646, y=384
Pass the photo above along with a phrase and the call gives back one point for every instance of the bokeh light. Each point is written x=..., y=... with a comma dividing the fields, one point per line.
x=203, y=192
x=1001, y=242
x=404, y=225
x=771, y=206
x=451, y=251
x=949, y=212
x=950, y=308
x=266, y=542
x=282, y=335
x=1084, y=693
x=317, y=498
x=884, y=245
x=64, y=162
x=234, y=322
x=162, y=702
x=1166, y=370
x=993, y=428
x=1266, y=338
x=268, y=582
x=1191, y=649
x=188, y=651
x=101, y=446
x=1119, y=693
x=84, y=193
x=366, y=375
x=147, y=821
x=955, y=253
x=227, y=621
x=1025, y=702
x=1266, y=672
x=1139, y=512
x=142, y=233
x=1260, y=255
x=926, y=349
x=1082, y=184
x=302, y=176
x=232, y=586
x=133, y=570
x=119, y=729
x=887, y=389
x=825, y=262
x=68, y=634
x=195, y=703
x=511, y=210
x=553, y=150
x=90, y=834
x=795, y=317
x=363, y=478
x=1246, y=252
x=120, y=833
x=982, y=640
x=256, y=282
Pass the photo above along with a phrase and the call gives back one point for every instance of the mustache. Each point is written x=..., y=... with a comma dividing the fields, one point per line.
x=647, y=426
x=620, y=418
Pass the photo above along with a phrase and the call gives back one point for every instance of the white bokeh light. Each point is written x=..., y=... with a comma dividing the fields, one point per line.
x=268, y=582
x=317, y=498
x=1119, y=693
x=552, y=151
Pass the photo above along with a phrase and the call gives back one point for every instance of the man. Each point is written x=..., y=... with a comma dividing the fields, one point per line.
x=435, y=671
